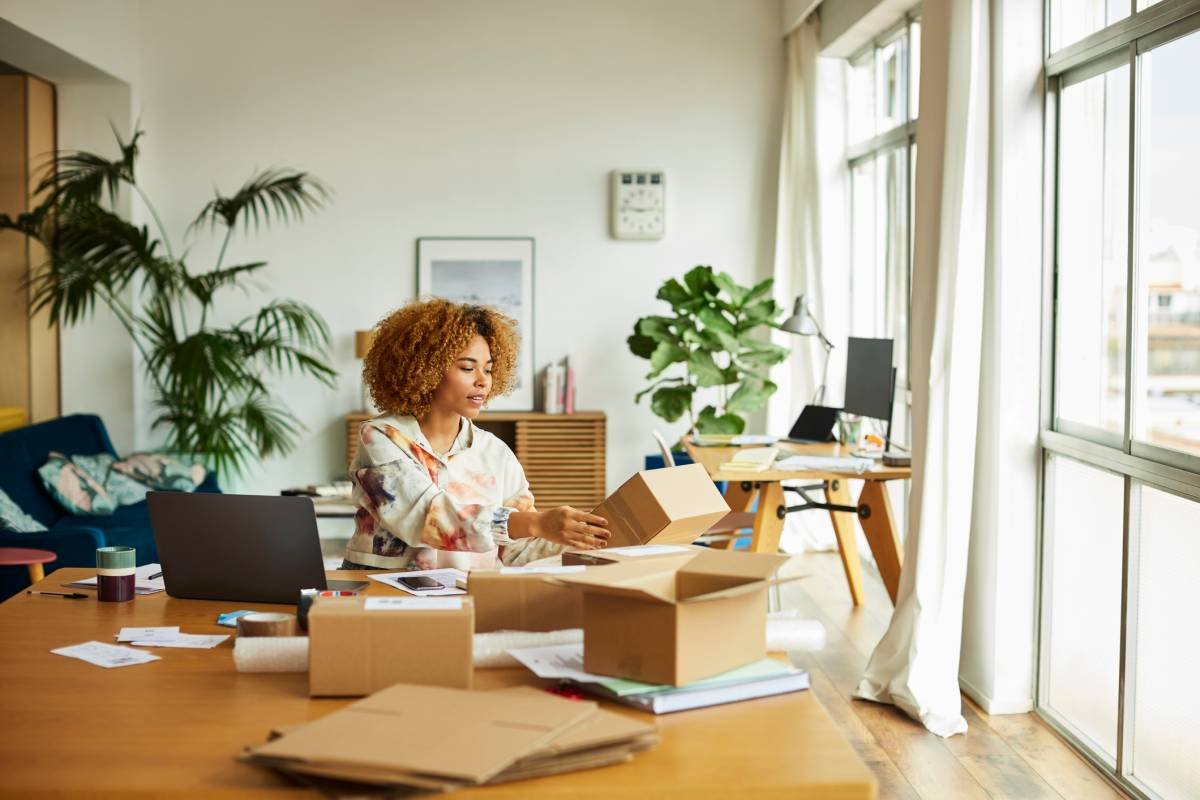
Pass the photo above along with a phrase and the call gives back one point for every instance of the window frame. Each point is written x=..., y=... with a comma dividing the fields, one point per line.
x=1139, y=463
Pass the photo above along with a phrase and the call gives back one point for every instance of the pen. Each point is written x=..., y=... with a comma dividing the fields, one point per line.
x=70, y=595
x=155, y=575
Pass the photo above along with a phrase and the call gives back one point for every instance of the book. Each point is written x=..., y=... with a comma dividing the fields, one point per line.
x=683, y=698
x=752, y=459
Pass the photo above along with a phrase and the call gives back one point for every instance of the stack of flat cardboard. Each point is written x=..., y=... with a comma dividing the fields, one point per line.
x=441, y=739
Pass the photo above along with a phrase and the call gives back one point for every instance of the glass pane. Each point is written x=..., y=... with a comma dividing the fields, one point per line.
x=1071, y=20
x=1093, y=234
x=914, y=68
x=1165, y=708
x=1167, y=412
x=1144, y=4
x=1084, y=511
x=890, y=86
x=860, y=99
x=863, y=286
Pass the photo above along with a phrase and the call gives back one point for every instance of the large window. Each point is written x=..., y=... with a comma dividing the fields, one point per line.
x=881, y=125
x=1121, y=489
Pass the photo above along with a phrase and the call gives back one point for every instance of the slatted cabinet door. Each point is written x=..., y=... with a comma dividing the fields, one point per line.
x=563, y=454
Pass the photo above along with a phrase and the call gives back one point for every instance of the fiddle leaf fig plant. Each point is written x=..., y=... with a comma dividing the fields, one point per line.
x=714, y=333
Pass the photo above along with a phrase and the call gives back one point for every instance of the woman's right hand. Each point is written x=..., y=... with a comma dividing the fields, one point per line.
x=571, y=527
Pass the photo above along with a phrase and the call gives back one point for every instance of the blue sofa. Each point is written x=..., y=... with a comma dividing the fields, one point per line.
x=73, y=537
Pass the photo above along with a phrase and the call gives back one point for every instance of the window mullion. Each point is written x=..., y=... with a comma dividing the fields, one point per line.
x=1132, y=273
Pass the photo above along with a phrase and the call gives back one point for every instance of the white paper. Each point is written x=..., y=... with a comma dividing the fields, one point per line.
x=142, y=635
x=413, y=604
x=106, y=655
x=198, y=641
x=753, y=438
x=646, y=550
x=824, y=464
x=141, y=580
x=447, y=577
x=557, y=661
x=542, y=570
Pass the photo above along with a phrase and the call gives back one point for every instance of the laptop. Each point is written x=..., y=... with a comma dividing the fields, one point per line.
x=244, y=548
x=814, y=425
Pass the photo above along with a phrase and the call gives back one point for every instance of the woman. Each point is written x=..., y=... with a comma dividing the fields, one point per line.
x=428, y=483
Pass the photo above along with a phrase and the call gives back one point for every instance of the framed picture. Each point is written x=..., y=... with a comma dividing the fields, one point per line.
x=487, y=272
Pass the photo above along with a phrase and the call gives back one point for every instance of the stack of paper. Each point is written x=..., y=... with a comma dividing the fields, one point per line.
x=169, y=637
x=759, y=679
x=752, y=459
x=142, y=582
x=448, y=577
x=398, y=737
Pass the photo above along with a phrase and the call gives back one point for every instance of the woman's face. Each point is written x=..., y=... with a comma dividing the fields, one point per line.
x=465, y=386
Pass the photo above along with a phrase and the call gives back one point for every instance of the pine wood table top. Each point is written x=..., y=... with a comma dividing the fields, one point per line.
x=174, y=727
x=714, y=457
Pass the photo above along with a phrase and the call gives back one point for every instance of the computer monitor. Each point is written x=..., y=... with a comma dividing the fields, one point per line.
x=869, y=378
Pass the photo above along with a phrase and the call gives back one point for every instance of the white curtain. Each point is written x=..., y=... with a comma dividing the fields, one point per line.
x=915, y=665
x=803, y=192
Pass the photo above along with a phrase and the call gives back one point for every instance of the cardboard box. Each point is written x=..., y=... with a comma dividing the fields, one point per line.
x=620, y=555
x=359, y=645
x=428, y=737
x=676, y=619
x=520, y=599
x=674, y=505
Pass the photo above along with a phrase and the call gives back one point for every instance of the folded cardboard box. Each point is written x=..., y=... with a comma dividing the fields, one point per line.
x=674, y=505
x=676, y=619
x=520, y=599
x=619, y=555
x=359, y=645
x=426, y=736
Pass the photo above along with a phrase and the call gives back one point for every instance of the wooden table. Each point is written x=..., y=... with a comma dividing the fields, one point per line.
x=873, y=509
x=174, y=727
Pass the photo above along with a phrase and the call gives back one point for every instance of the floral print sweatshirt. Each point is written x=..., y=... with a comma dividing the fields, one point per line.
x=413, y=502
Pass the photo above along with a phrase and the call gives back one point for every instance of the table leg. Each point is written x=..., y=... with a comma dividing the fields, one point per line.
x=838, y=493
x=767, y=523
x=36, y=573
x=739, y=495
x=879, y=525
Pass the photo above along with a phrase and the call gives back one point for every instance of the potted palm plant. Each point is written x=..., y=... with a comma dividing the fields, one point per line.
x=210, y=380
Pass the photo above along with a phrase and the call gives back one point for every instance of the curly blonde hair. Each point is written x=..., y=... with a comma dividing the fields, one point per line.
x=417, y=343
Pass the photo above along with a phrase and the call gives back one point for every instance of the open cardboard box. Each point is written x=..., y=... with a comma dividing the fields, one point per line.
x=520, y=599
x=359, y=645
x=676, y=619
x=674, y=505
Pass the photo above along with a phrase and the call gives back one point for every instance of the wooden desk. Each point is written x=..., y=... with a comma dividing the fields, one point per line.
x=874, y=509
x=174, y=727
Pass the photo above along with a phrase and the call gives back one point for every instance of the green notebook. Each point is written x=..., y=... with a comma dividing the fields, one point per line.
x=767, y=668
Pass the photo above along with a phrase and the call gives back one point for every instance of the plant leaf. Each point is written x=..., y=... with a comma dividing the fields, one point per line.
x=672, y=402
x=699, y=281
x=701, y=364
x=641, y=346
x=657, y=328
x=673, y=292
x=759, y=289
x=715, y=321
x=737, y=294
x=273, y=193
x=710, y=422
x=750, y=396
x=665, y=354
x=204, y=286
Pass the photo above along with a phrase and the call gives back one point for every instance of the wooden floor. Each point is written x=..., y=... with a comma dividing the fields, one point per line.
x=1010, y=756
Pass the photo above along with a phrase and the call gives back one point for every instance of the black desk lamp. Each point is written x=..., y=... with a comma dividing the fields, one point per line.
x=802, y=323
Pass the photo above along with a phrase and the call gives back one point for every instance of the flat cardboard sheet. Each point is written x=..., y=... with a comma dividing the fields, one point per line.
x=395, y=732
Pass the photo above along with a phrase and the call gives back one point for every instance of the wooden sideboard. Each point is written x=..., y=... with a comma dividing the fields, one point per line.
x=563, y=454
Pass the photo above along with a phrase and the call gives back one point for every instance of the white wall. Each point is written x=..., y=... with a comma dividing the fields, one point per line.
x=469, y=118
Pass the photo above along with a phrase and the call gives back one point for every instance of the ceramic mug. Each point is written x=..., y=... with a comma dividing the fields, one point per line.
x=115, y=573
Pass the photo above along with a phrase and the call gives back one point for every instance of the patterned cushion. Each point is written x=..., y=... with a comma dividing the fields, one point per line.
x=77, y=491
x=12, y=518
x=162, y=472
x=124, y=490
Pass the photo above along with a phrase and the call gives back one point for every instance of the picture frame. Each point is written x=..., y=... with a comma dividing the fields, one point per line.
x=490, y=271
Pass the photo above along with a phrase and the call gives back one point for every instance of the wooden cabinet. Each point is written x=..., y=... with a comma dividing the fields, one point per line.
x=563, y=454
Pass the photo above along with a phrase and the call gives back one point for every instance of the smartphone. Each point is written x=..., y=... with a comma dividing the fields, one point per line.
x=421, y=583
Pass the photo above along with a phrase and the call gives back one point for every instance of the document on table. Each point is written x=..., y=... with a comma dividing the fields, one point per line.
x=163, y=634
x=824, y=464
x=637, y=550
x=197, y=641
x=106, y=655
x=447, y=577
x=556, y=661
x=141, y=580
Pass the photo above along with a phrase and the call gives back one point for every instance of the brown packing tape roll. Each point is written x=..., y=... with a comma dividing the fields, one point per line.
x=267, y=624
